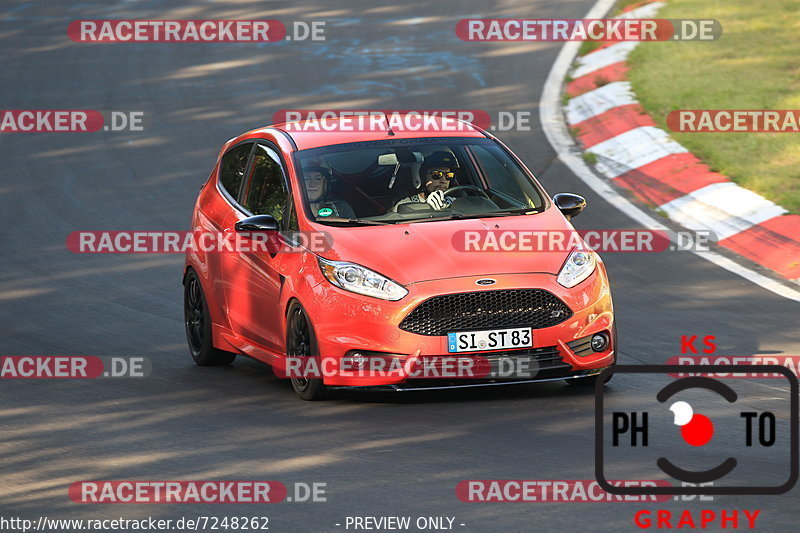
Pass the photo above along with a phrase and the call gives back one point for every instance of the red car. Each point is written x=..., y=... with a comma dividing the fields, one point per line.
x=365, y=279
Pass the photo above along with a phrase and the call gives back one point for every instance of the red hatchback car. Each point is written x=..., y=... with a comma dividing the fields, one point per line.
x=366, y=281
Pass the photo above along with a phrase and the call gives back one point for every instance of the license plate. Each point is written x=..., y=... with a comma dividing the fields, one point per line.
x=490, y=339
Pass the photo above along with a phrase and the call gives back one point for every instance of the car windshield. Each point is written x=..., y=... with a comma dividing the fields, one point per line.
x=408, y=180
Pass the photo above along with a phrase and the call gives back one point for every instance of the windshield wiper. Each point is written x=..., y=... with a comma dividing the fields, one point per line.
x=463, y=216
x=520, y=211
x=353, y=221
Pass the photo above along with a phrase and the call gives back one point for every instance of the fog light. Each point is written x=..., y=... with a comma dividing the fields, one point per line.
x=599, y=342
x=357, y=360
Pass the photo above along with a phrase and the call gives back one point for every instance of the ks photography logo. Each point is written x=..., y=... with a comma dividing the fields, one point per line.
x=698, y=430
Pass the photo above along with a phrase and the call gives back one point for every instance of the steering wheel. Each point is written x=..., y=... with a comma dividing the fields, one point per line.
x=468, y=190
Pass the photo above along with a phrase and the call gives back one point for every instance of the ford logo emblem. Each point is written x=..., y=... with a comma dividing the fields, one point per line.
x=486, y=281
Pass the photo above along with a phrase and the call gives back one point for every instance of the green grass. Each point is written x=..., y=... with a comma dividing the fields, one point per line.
x=754, y=65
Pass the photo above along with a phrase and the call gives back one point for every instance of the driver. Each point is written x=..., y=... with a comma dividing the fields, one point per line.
x=437, y=172
x=317, y=184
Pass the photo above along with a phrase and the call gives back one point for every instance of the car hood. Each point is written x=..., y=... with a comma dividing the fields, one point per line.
x=425, y=251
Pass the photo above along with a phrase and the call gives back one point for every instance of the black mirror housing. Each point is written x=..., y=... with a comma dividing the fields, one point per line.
x=261, y=223
x=570, y=205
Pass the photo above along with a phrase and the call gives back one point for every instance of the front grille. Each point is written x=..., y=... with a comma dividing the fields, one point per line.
x=469, y=311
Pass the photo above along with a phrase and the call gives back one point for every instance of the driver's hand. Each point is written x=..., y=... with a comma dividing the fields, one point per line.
x=436, y=200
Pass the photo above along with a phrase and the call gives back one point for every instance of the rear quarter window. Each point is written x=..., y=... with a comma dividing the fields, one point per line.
x=233, y=167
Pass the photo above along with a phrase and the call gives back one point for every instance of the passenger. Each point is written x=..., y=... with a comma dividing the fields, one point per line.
x=317, y=182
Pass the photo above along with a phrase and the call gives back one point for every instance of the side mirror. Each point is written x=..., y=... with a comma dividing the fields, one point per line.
x=571, y=205
x=257, y=223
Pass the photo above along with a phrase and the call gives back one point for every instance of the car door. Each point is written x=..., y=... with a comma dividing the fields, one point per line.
x=223, y=213
x=253, y=279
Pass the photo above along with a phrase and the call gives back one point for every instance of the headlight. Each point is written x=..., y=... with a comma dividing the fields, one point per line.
x=355, y=278
x=579, y=265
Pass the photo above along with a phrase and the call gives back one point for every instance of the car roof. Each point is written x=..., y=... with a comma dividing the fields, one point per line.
x=309, y=133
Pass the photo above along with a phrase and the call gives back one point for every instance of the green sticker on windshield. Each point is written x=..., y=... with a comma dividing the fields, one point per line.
x=325, y=212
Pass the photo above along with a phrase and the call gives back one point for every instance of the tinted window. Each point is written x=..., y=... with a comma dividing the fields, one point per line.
x=391, y=181
x=267, y=194
x=232, y=168
x=505, y=176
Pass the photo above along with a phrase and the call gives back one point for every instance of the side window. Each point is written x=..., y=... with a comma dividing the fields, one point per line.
x=267, y=194
x=505, y=176
x=232, y=169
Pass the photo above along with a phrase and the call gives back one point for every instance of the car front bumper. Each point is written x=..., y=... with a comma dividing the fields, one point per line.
x=349, y=322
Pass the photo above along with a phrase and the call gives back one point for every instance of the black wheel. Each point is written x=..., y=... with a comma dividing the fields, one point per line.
x=197, y=320
x=300, y=342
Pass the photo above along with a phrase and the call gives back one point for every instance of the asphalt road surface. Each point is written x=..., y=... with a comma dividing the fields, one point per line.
x=378, y=454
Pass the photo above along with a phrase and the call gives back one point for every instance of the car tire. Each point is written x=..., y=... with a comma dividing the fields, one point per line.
x=301, y=342
x=197, y=321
